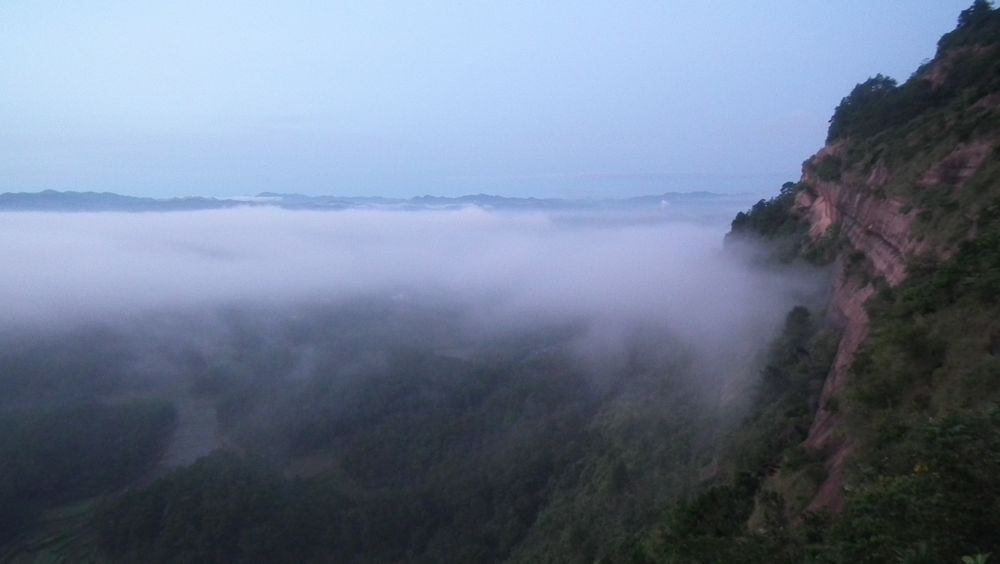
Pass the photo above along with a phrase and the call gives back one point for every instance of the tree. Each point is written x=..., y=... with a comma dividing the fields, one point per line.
x=864, y=109
x=974, y=14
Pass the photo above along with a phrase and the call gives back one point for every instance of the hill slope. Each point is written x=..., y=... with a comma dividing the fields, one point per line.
x=899, y=461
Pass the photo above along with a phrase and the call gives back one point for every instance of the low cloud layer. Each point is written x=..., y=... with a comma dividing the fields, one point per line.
x=504, y=269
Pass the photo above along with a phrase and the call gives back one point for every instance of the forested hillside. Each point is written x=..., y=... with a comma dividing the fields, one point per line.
x=897, y=461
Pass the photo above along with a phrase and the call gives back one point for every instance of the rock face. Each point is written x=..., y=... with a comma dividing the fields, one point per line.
x=879, y=232
x=959, y=166
x=909, y=171
x=848, y=307
x=879, y=227
x=874, y=228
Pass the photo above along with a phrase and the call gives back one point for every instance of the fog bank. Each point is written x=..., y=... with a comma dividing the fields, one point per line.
x=504, y=269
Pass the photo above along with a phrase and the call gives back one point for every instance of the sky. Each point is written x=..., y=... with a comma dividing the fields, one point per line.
x=555, y=99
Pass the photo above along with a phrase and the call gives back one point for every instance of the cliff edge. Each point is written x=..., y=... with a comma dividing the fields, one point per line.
x=906, y=171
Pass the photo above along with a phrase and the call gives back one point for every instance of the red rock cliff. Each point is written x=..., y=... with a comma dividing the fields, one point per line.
x=880, y=228
x=932, y=142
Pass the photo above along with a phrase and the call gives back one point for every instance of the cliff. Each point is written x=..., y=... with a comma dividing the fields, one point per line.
x=873, y=432
x=906, y=171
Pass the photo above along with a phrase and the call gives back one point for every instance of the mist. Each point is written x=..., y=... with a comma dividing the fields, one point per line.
x=504, y=270
x=401, y=351
x=161, y=298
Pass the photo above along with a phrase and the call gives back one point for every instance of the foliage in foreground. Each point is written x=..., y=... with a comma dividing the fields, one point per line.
x=926, y=408
x=50, y=456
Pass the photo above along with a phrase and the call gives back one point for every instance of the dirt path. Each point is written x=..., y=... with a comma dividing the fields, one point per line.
x=196, y=434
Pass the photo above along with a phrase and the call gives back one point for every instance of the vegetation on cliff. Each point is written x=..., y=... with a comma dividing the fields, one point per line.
x=921, y=410
x=931, y=142
x=924, y=411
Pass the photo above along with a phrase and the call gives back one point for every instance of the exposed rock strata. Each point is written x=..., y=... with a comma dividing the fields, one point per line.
x=881, y=230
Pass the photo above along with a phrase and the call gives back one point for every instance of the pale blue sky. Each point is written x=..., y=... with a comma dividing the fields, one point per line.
x=403, y=98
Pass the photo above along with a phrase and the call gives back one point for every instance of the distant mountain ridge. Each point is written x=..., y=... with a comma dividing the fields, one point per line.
x=53, y=200
x=69, y=201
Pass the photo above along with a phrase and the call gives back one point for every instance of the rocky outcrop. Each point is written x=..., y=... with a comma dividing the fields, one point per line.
x=848, y=307
x=877, y=226
x=938, y=71
x=879, y=233
x=880, y=241
x=959, y=166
